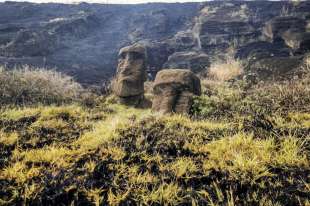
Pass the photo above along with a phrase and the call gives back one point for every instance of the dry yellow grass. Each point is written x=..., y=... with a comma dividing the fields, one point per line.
x=225, y=70
x=30, y=85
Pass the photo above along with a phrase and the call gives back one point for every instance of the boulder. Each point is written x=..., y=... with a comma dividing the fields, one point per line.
x=276, y=27
x=276, y=67
x=77, y=26
x=143, y=26
x=49, y=37
x=299, y=42
x=131, y=75
x=194, y=61
x=220, y=34
x=260, y=50
x=174, y=90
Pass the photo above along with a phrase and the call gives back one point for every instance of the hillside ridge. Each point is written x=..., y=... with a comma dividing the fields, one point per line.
x=83, y=40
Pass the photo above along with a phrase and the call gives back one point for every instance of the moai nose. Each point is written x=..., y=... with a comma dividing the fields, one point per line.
x=129, y=58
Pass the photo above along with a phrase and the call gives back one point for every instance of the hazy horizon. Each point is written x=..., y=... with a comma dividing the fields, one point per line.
x=107, y=1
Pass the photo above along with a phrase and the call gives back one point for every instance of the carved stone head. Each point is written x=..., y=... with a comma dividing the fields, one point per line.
x=131, y=72
x=174, y=90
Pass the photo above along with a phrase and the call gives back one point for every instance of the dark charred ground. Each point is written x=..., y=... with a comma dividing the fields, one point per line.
x=235, y=149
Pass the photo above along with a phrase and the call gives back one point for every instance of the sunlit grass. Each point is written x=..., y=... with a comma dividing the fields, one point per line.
x=18, y=113
x=183, y=166
x=8, y=138
x=244, y=155
x=113, y=154
x=107, y=130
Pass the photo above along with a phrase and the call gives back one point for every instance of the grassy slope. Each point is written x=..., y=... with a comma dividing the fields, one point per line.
x=237, y=151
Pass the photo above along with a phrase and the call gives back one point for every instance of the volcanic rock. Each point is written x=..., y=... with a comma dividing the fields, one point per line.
x=174, y=90
x=131, y=75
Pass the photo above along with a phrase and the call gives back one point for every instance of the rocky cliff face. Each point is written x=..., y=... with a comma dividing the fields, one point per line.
x=83, y=40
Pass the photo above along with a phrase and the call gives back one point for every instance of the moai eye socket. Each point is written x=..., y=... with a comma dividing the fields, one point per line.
x=137, y=55
x=122, y=55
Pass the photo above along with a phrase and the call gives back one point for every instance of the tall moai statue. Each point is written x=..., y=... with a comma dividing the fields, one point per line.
x=131, y=74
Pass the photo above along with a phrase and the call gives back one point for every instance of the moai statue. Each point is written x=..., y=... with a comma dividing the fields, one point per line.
x=128, y=84
x=174, y=90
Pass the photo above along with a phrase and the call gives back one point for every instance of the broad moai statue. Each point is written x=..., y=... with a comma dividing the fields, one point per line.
x=174, y=90
x=128, y=84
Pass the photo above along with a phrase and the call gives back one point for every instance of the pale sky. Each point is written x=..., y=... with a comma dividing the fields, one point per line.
x=108, y=1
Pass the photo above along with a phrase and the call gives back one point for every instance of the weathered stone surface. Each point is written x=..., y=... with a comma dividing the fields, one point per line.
x=29, y=44
x=174, y=90
x=157, y=55
x=260, y=50
x=276, y=67
x=84, y=39
x=218, y=27
x=298, y=41
x=131, y=74
x=185, y=40
x=194, y=61
x=276, y=27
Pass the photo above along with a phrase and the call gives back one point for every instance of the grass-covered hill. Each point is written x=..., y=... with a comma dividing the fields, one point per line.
x=242, y=145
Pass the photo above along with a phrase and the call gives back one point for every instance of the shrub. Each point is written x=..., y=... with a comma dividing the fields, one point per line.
x=217, y=105
x=225, y=70
x=293, y=95
x=222, y=99
x=29, y=85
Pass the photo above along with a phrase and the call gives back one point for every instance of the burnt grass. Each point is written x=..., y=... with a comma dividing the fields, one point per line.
x=151, y=159
x=151, y=137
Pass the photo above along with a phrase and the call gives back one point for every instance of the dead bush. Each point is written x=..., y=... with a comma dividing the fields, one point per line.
x=225, y=70
x=30, y=85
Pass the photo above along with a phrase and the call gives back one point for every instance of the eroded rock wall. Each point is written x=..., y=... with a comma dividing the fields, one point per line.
x=83, y=40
